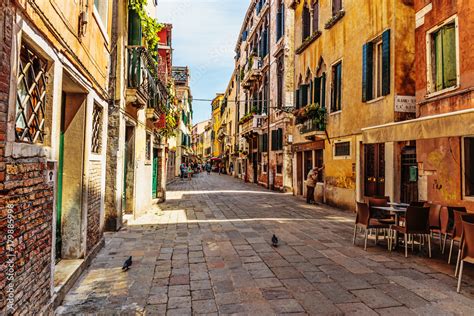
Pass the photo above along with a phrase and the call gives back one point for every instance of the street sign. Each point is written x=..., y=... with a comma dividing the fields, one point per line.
x=405, y=103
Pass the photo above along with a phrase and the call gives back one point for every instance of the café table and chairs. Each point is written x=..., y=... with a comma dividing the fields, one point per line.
x=366, y=221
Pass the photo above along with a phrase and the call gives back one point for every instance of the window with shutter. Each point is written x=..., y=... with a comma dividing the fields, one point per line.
x=444, y=65
x=469, y=166
x=304, y=95
x=280, y=139
x=274, y=140
x=323, y=90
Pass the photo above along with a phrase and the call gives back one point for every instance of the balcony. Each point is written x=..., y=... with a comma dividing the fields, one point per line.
x=253, y=71
x=143, y=85
x=311, y=120
x=252, y=125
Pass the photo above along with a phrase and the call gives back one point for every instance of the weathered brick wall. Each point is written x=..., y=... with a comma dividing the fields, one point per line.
x=94, y=233
x=23, y=186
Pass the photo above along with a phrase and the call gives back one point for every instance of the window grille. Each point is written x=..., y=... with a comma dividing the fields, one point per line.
x=31, y=97
x=96, y=129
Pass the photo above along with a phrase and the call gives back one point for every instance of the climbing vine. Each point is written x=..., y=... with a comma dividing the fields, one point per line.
x=150, y=27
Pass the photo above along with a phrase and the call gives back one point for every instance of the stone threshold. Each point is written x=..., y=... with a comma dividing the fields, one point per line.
x=68, y=272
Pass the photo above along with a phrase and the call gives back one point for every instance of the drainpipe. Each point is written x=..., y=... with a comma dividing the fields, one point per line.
x=269, y=92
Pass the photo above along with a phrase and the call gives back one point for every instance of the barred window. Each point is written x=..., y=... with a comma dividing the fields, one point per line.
x=148, y=147
x=31, y=97
x=342, y=149
x=97, y=129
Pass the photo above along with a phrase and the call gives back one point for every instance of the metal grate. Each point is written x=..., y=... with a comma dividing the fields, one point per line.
x=31, y=97
x=97, y=129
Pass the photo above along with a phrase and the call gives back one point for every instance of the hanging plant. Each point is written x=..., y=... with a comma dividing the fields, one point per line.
x=150, y=27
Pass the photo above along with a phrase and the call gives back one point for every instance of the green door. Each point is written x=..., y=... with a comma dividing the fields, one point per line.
x=154, y=189
x=59, y=191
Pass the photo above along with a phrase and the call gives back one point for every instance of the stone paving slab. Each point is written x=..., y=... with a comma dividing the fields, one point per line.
x=208, y=252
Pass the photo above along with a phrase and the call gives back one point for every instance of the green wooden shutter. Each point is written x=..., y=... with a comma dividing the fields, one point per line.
x=134, y=28
x=367, y=71
x=311, y=87
x=339, y=87
x=260, y=143
x=265, y=142
x=386, y=62
x=280, y=138
x=323, y=90
x=438, y=49
x=304, y=95
x=317, y=90
x=297, y=98
x=449, y=56
x=274, y=140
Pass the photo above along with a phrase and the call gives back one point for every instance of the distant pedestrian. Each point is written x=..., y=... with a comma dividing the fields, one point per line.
x=208, y=167
x=231, y=168
x=183, y=170
x=190, y=172
x=311, y=181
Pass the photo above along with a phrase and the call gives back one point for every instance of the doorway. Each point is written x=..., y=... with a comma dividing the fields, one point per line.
x=299, y=172
x=129, y=170
x=409, y=176
x=255, y=167
x=154, y=182
x=374, y=169
x=69, y=201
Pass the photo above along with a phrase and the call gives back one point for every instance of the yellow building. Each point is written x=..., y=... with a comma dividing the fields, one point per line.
x=353, y=66
x=217, y=104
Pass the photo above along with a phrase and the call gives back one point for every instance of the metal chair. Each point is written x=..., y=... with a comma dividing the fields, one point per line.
x=416, y=223
x=365, y=220
x=455, y=223
x=435, y=221
x=467, y=245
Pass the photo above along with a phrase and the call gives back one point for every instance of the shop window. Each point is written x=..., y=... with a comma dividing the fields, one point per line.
x=31, y=97
x=468, y=166
x=97, y=119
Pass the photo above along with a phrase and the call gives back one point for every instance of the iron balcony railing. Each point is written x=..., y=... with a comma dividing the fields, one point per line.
x=143, y=76
x=313, y=125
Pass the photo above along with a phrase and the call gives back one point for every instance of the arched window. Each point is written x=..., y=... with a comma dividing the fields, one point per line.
x=315, y=16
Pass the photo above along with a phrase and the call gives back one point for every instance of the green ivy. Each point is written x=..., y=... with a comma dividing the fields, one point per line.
x=150, y=27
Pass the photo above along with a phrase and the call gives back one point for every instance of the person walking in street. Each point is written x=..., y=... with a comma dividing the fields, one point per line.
x=208, y=168
x=190, y=172
x=183, y=170
x=311, y=181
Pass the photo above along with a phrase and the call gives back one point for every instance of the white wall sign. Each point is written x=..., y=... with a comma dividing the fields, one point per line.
x=405, y=103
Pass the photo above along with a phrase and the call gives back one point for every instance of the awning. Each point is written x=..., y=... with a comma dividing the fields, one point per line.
x=459, y=123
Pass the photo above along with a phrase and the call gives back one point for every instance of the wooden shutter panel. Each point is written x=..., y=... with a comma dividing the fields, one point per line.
x=367, y=71
x=311, y=87
x=323, y=90
x=317, y=90
x=134, y=28
x=297, y=98
x=301, y=96
x=260, y=143
x=304, y=93
x=449, y=56
x=274, y=140
x=315, y=17
x=280, y=138
x=386, y=62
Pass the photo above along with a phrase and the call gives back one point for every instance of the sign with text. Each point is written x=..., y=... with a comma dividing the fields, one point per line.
x=405, y=103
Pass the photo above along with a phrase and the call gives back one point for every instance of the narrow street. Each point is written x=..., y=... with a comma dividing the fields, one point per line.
x=209, y=252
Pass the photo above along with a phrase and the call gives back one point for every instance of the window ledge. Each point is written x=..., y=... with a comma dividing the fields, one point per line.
x=468, y=198
x=334, y=19
x=308, y=42
x=337, y=112
x=342, y=157
x=95, y=157
x=375, y=100
x=440, y=92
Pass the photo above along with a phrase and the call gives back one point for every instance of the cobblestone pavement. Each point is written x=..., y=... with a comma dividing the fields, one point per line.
x=210, y=253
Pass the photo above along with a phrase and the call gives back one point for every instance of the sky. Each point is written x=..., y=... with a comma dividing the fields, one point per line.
x=205, y=34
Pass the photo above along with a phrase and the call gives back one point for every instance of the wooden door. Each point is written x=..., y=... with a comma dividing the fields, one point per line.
x=409, y=176
x=374, y=171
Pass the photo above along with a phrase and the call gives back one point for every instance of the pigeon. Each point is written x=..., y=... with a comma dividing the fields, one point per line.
x=274, y=241
x=127, y=264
